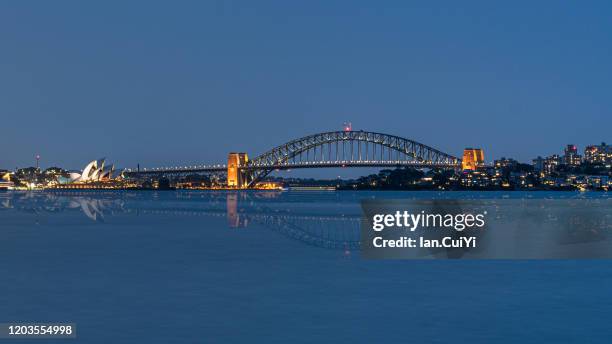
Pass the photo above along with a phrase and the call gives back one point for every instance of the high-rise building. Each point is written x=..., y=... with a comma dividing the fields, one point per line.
x=236, y=177
x=551, y=163
x=571, y=156
x=473, y=158
x=598, y=154
x=538, y=164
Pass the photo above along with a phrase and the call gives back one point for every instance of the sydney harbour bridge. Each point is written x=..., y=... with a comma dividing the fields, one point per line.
x=346, y=148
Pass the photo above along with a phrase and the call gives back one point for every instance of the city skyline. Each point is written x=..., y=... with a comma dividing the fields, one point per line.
x=188, y=84
x=488, y=160
x=406, y=165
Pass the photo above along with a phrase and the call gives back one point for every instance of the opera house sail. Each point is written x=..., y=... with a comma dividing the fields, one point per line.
x=95, y=171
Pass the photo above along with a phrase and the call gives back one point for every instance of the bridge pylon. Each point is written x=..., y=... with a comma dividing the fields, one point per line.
x=237, y=176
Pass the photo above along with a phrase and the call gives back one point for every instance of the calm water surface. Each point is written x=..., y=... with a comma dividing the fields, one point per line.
x=272, y=267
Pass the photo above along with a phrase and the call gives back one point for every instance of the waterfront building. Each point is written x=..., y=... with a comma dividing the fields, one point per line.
x=5, y=180
x=5, y=174
x=522, y=179
x=571, y=157
x=551, y=163
x=473, y=158
x=601, y=154
x=596, y=182
x=505, y=163
x=5, y=184
x=95, y=171
x=474, y=179
x=557, y=182
x=269, y=185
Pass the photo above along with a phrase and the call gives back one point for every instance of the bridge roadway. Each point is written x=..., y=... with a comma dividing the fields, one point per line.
x=290, y=166
x=357, y=163
x=176, y=170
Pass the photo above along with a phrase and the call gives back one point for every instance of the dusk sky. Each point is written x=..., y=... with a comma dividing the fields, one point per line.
x=169, y=83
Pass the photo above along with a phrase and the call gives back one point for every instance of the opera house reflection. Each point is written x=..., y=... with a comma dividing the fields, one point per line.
x=307, y=222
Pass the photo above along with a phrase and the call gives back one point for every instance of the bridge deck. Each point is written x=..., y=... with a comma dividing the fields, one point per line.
x=340, y=164
x=176, y=170
x=296, y=165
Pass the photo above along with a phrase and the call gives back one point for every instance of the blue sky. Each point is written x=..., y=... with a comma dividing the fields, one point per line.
x=160, y=83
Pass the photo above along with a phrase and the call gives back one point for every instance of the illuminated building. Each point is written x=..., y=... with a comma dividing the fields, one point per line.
x=598, y=154
x=474, y=179
x=95, y=171
x=571, y=156
x=473, y=158
x=505, y=163
x=5, y=180
x=236, y=178
x=267, y=185
x=551, y=163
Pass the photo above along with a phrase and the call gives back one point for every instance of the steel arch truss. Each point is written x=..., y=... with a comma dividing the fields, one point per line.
x=348, y=148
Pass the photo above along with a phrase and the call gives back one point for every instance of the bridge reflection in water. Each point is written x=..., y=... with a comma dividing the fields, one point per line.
x=288, y=215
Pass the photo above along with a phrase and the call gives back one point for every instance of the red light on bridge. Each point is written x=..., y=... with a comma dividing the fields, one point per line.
x=348, y=126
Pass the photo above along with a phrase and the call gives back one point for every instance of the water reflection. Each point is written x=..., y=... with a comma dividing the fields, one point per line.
x=328, y=219
x=290, y=216
x=233, y=217
x=93, y=208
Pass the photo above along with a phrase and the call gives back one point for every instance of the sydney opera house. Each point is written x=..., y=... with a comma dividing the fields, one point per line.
x=95, y=171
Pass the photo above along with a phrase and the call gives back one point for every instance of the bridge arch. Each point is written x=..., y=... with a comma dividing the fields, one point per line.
x=366, y=149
